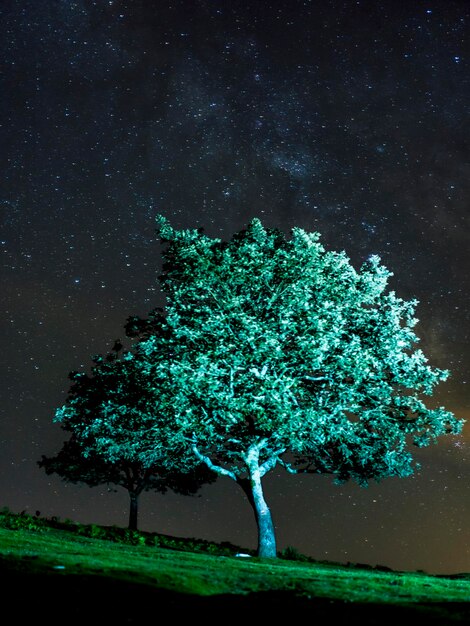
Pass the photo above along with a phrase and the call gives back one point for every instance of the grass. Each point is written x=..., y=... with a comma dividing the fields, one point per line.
x=124, y=580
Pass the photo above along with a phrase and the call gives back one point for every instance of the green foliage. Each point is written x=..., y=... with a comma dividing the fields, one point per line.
x=281, y=346
x=292, y=554
x=21, y=521
x=111, y=411
x=73, y=466
x=121, y=430
x=115, y=534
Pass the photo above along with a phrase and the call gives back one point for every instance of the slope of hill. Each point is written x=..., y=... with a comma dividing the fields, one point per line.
x=61, y=576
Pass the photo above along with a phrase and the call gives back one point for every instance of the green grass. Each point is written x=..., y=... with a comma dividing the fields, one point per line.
x=41, y=559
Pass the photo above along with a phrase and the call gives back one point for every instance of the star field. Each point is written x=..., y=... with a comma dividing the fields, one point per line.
x=346, y=117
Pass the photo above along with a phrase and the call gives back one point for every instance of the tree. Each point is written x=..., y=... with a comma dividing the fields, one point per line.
x=284, y=355
x=109, y=415
x=73, y=466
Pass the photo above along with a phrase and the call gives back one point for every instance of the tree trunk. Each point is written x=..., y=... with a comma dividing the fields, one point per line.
x=254, y=491
x=266, y=535
x=133, y=510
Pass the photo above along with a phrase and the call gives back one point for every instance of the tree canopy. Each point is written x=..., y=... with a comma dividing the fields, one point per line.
x=283, y=354
x=122, y=433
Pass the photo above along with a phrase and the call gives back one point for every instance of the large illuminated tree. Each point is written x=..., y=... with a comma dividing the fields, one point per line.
x=122, y=433
x=285, y=355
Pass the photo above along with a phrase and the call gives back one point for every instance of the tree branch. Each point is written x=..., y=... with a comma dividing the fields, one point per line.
x=306, y=470
x=288, y=467
x=271, y=462
x=222, y=471
x=268, y=465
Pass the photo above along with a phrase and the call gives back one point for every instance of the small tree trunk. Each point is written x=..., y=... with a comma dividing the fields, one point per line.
x=266, y=535
x=133, y=510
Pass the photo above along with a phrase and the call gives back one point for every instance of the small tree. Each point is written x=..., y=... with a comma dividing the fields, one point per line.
x=284, y=354
x=73, y=466
x=111, y=414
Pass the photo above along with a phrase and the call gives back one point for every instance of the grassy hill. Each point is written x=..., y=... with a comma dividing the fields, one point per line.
x=64, y=573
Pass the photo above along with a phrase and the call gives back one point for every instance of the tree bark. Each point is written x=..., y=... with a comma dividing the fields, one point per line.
x=133, y=510
x=266, y=535
x=253, y=490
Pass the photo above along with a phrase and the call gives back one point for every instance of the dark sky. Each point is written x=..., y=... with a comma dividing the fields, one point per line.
x=346, y=117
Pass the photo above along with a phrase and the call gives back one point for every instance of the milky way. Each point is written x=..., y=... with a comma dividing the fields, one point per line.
x=350, y=118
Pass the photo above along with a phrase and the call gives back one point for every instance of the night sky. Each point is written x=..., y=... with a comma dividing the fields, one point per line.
x=345, y=117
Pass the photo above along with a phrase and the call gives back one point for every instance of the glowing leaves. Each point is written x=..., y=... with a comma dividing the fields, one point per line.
x=301, y=240
x=373, y=279
x=283, y=340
